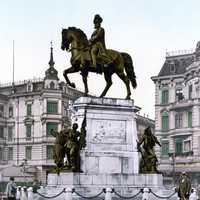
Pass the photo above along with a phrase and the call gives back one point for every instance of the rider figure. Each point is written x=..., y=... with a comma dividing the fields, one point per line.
x=97, y=41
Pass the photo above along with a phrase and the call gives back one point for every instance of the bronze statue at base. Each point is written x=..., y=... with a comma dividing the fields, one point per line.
x=184, y=188
x=148, y=162
x=68, y=144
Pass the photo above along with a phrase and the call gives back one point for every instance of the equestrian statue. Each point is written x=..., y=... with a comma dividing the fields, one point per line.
x=93, y=56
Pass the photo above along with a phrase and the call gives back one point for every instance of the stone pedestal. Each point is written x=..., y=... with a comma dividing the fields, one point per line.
x=111, y=135
x=110, y=158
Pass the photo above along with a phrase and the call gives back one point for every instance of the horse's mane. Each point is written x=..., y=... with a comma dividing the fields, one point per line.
x=80, y=34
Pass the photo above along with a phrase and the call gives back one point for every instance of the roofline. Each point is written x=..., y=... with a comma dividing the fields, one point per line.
x=155, y=78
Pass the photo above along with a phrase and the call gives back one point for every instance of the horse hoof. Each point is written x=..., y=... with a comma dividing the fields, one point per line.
x=73, y=85
x=128, y=98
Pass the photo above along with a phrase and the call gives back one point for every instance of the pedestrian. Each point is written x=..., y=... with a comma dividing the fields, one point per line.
x=11, y=189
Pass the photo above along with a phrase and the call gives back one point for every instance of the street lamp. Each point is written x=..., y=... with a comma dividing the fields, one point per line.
x=172, y=156
x=23, y=166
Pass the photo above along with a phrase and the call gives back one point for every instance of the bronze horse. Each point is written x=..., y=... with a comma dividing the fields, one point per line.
x=75, y=41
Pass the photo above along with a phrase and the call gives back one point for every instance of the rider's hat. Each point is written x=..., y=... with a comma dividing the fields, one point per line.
x=97, y=19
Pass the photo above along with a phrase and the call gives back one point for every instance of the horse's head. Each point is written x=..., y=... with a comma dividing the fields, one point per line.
x=73, y=34
x=65, y=40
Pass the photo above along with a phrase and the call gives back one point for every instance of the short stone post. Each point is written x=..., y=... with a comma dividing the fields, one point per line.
x=24, y=195
x=41, y=190
x=108, y=195
x=18, y=194
x=68, y=193
x=193, y=195
x=176, y=194
x=145, y=195
x=30, y=193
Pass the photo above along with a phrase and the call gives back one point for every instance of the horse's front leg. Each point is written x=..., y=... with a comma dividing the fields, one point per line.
x=68, y=71
x=84, y=77
x=108, y=79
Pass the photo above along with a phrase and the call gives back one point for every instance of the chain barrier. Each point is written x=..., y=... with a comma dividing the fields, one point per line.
x=46, y=197
x=91, y=197
x=123, y=197
x=161, y=197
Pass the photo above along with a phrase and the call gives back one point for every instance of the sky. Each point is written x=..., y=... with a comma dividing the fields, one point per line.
x=145, y=29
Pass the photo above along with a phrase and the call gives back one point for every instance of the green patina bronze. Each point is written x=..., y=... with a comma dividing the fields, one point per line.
x=93, y=56
x=184, y=186
x=148, y=162
x=68, y=143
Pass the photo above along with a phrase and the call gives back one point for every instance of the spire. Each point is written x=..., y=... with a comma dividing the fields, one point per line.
x=51, y=61
x=51, y=72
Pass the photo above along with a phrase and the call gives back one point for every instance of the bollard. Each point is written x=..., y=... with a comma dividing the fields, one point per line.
x=145, y=195
x=30, y=193
x=176, y=194
x=23, y=194
x=108, y=195
x=18, y=194
x=193, y=195
x=68, y=194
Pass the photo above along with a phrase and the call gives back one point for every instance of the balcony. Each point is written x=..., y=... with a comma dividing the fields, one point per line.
x=182, y=105
x=33, y=140
x=55, y=116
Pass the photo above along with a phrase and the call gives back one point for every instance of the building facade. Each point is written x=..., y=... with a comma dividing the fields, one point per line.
x=28, y=112
x=177, y=112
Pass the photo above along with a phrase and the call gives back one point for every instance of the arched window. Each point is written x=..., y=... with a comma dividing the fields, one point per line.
x=165, y=121
x=52, y=85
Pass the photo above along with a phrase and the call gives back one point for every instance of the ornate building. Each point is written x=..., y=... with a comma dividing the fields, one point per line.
x=28, y=111
x=177, y=112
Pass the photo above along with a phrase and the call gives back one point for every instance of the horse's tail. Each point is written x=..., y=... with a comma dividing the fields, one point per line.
x=129, y=68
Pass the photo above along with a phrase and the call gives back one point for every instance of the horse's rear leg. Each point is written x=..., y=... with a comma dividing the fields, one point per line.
x=124, y=78
x=68, y=71
x=108, y=79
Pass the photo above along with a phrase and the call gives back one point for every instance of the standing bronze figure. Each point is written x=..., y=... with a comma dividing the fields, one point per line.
x=148, y=163
x=92, y=56
x=68, y=143
x=184, y=188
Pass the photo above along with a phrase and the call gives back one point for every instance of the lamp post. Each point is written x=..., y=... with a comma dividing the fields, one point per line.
x=23, y=165
x=172, y=156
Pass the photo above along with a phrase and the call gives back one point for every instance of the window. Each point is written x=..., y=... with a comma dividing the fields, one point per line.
x=165, y=148
x=10, y=153
x=189, y=119
x=28, y=131
x=179, y=94
x=187, y=146
x=28, y=153
x=52, y=107
x=178, y=146
x=52, y=85
x=28, y=109
x=10, y=111
x=172, y=67
x=1, y=132
x=178, y=120
x=190, y=92
x=1, y=110
x=165, y=121
x=165, y=97
x=1, y=153
x=50, y=126
x=50, y=150
x=10, y=133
